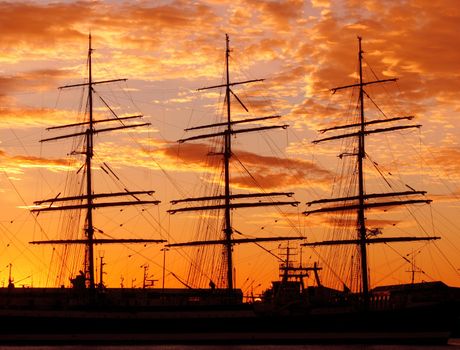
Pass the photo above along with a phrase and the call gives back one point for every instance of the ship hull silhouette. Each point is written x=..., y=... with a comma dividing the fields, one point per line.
x=410, y=314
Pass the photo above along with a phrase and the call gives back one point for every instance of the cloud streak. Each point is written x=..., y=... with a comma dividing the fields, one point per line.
x=16, y=164
x=267, y=172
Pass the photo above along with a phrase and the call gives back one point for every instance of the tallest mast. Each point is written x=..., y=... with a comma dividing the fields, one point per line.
x=89, y=190
x=361, y=154
x=227, y=155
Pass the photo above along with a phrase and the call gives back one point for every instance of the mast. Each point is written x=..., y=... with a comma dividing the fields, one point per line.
x=364, y=201
x=90, y=196
x=227, y=154
x=89, y=190
x=228, y=198
x=361, y=155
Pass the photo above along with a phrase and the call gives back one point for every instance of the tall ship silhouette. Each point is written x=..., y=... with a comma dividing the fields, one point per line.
x=288, y=312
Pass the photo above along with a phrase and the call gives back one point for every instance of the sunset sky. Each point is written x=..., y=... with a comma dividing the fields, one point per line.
x=168, y=49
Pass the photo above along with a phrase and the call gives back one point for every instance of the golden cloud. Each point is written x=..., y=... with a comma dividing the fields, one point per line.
x=447, y=161
x=28, y=81
x=15, y=164
x=268, y=172
x=22, y=117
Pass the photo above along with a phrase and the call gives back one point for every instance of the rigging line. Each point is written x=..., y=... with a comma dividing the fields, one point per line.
x=144, y=148
x=28, y=154
x=445, y=236
x=31, y=252
x=268, y=251
x=329, y=266
x=57, y=99
x=383, y=86
x=370, y=67
x=439, y=177
x=277, y=207
x=180, y=280
x=11, y=242
x=420, y=158
x=435, y=266
x=141, y=212
x=196, y=267
x=423, y=229
x=143, y=256
x=386, y=263
x=24, y=203
x=345, y=145
x=420, y=269
x=375, y=104
x=247, y=74
x=259, y=245
x=275, y=149
x=378, y=170
x=165, y=173
x=432, y=221
x=395, y=161
x=130, y=96
x=108, y=107
x=446, y=259
x=82, y=100
x=146, y=213
x=273, y=146
x=245, y=287
x=410, y=262
x=417, y=221
x=399, y=91
x=391, y=273
x=49, y=270
x=194, y=261
x=192, y=111
x=115, y=178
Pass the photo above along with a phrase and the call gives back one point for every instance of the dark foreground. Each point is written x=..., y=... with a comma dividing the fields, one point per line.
x=122, y=316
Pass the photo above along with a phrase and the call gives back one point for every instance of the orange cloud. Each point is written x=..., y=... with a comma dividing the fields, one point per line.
x=20, y=117
x=447, y=161
x=35, y=80
x=332, y=221
x=268, y=172
x=282, y=15
x=41, y=24
x=15, y=164
x=422, y=54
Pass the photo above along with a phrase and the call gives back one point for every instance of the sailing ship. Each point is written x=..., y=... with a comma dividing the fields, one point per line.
x=289, y=312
